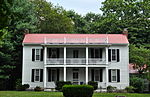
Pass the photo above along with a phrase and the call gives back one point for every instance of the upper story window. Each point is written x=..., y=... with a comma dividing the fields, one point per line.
x=96, y=53
x=75, y=54
x=113, y=55
x=53, y=52
x=37, y=54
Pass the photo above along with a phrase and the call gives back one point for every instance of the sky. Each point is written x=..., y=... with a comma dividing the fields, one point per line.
x=80, y=6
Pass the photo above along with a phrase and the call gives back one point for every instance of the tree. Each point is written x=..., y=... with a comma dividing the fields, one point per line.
x=131, y=14
x=52, y=19
x=140, y=57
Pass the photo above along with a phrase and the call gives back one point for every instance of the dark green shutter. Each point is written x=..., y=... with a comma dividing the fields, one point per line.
x=109, y=75
x=32, y=76
x=92, y=53
x=118, y=75
x=109, y=55
x=118, y=55
x=33, y=54
x=41, y=59
x=101, y=75
x=41, y=75
x=57, y=52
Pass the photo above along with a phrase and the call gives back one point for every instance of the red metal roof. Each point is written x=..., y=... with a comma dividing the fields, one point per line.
x=111, y=38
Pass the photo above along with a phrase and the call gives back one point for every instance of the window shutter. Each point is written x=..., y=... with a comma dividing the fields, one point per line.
x=101, y=75
x=118, y=75
x=109, y=75
x=49, y=75
x=118, y=55
x=92, y=53
x=92, y=75
x=109, y=55
x=101, y=53
x=57, y=74
x=33, y=54
x=41, y=75
x=42, y=54
x=57, y=52
x=32, y=76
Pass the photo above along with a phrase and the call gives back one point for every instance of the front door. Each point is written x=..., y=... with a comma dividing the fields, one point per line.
x=75, y=77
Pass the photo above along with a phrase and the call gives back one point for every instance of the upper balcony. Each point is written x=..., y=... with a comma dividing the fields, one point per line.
x=76, y=56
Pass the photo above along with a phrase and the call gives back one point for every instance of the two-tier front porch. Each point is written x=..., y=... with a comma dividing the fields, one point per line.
x=77, y=75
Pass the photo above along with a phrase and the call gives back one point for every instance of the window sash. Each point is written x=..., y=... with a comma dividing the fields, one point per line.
x=37, y=54
x=114, y=75
x=37, y=75
x=114, y=54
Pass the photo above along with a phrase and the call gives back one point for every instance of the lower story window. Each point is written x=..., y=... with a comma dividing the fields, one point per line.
x=114, y=75
x=37, y=75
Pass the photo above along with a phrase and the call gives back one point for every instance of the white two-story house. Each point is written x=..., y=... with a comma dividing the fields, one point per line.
x=78, y=58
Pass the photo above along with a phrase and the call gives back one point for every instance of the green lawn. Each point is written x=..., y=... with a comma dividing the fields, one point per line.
x=59, y=94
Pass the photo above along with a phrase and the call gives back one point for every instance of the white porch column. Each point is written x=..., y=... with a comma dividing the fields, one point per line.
x=64, y=73
x=64, y=63
x=86, y=79
x=45, y=75
x=106, y=49
x=106, y=76
x=45, y=54
x=87, y=56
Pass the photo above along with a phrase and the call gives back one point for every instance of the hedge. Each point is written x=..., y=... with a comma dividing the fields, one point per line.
x=60, y=84
x=77, y=90
x=94, y=84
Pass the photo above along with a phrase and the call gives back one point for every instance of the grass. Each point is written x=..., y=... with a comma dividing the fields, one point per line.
x=59, y=94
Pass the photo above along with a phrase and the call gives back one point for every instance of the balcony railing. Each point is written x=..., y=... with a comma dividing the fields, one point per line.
x=76, y=40
x=75, y=61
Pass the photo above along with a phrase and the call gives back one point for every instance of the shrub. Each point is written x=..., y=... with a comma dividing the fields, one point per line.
x=20, y=87
x=38, y=88
x=60, y=84
x=137, y=83
x=94, y=84
x=111, y=89
x=130, y=89
x=77, y=90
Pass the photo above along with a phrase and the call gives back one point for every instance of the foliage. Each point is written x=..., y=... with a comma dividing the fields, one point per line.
x=94, y=84
x=140, y=57
x=60, y=84
x=137, y=83
x=77, y=90
x=52, y=19
x=130, y=89
x=38, y=88
x=20, y=87
x=110, y=89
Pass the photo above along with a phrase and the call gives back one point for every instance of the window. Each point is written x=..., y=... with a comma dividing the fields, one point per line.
x=75, y=54
x=37, y=54
x=53, y=52
x=113, y=55
x=53, y=75
x=114, y=75
x=37, y=75
x=97, y=75
x=96, y=52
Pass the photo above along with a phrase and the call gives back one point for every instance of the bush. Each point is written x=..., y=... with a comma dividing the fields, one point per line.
x=130, y=89
x=137, y=83
x=77, y=90
x=20, y=87
x=94, y=84
x=111, y=89
x=38, y=88
x=60, y=84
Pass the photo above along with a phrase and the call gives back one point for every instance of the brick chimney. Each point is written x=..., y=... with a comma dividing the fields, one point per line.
x=125, y=32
